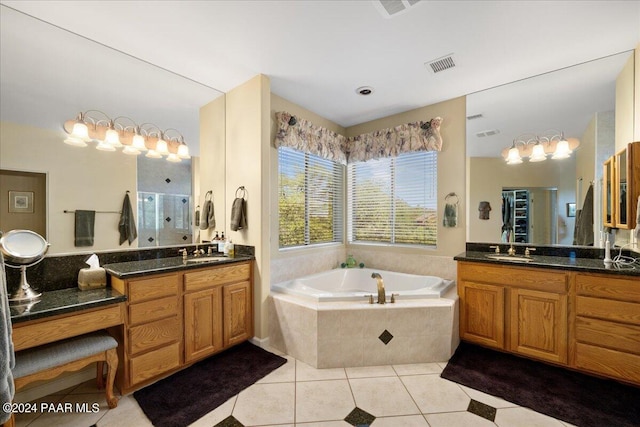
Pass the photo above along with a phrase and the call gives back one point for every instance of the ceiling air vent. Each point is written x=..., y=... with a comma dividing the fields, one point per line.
x=474, y=116
x=441, y=64
x=487, y=133
x=390, y=8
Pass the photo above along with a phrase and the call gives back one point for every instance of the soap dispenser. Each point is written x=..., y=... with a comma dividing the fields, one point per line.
x=351, y=262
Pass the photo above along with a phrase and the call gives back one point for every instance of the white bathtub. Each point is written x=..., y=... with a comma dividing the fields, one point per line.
x=356, y=284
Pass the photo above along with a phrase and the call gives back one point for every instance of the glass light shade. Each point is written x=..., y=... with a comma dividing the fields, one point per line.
x=152, y=154
x=80, y=131
x=138, y=143
x=183, y=151
x=538, y=155
x=161, y=147
x=514, y=157
x=173, y=157
x=104, y=146
x=562, y=150
x=131, y=150
x=112, y=138
x=74, y=141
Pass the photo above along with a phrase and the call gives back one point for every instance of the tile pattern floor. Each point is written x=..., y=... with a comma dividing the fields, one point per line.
x=297, y=394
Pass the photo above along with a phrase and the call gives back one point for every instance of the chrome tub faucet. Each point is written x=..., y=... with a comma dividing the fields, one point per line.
x=381, y=296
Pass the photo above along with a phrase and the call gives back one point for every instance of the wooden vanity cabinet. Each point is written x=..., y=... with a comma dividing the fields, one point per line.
x=174, y=319
x=607, y=326
x=608, y=194
x=217, y=309
x=517, y=309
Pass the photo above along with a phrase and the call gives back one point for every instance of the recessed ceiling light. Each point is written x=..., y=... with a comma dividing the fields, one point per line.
x=364, y=90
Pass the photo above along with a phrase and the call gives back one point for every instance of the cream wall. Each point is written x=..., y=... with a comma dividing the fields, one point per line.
x=77, y=178
x=496, y=175
x=625, y=104
x=210, y=166
x=247, y=157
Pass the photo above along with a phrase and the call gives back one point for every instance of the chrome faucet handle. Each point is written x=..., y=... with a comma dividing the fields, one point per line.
x=370, y=298
x=183, y=251
x=511, y=251
x=527, y=251
x=393, y=297
x=496, y=247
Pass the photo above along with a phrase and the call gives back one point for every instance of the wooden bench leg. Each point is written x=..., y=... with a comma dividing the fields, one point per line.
x=100, y=375
x=112, y=367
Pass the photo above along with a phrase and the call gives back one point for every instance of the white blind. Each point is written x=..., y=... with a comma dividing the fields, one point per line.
x=394, y=200
x=310, y=202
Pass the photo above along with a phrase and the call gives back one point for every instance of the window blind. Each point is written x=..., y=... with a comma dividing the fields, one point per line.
x=310, y=202
x=394, y=200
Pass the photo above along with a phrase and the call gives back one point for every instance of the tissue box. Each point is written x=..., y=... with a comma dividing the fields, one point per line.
x=92, y=278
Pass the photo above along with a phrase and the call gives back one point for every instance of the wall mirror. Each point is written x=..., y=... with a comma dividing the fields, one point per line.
x=48, y=76
x=579, y=101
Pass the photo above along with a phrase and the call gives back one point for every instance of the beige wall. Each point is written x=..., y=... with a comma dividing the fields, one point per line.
x=636, y=98
x=247, y=157
x=489, y=175
x=78, y=178
x=625, y=104
x=210, y=166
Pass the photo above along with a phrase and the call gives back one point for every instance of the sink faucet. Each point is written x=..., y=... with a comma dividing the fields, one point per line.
x=381, y=295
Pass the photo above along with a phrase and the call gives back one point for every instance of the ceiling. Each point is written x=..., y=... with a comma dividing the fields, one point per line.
x=316, y=53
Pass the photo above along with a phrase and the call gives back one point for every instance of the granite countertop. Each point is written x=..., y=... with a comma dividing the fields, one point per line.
x=164, y=265
x=52, y=303
x=592, y=265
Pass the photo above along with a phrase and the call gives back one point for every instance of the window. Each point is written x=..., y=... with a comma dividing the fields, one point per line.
x=310, y=202
x=393, y=200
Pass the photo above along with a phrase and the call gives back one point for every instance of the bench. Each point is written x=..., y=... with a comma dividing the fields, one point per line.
x=50, y=360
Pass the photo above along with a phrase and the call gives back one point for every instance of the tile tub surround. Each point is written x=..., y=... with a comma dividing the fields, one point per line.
x=352, y=334
x=57, y=272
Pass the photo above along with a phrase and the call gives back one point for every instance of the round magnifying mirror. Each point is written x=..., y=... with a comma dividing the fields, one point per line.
x=24, y=248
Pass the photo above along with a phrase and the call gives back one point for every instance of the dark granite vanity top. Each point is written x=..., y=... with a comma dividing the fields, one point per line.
x=52, y=303
x=129, y=269
x=592, y=265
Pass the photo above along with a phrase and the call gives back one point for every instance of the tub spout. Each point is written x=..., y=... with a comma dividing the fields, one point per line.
x=381, y=295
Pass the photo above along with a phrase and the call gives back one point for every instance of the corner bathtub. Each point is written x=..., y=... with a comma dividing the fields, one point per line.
x=356, y=284
x=325, y=319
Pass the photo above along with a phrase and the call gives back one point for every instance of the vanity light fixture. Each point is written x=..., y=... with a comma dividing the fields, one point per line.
x=111, y=134
x=536, y=147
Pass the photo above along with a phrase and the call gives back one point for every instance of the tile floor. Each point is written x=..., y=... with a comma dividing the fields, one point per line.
x=297, y=394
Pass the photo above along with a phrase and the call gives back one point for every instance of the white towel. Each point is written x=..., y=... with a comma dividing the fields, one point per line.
x=7, y=358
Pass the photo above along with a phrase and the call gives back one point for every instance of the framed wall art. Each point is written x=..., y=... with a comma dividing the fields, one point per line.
x=20, y=201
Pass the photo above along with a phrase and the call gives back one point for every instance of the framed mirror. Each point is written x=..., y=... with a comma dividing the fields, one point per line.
x=578, y=102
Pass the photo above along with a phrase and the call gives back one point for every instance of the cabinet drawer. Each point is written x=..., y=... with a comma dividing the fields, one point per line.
x=600, y=308
x=616, y=336
x=152, y=310
x=154, y=334
x=626, y=289
x=153, y=287
x=201, y=279
x=613, y=363
x=154, y=363
x=525, y=278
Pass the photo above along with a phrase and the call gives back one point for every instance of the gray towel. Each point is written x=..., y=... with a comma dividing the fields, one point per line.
x=84, y=229
x=584, y=221
x=207, y=217
x=450, y=215
x=7, y=357
x=127, y=224
x=238, y=214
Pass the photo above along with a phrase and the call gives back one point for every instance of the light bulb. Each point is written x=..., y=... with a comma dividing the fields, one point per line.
x=514, y=156
x=138, y=142
x=112, y=138
x=161, y=147
x=152, y=154
x=183, y=151
x=538, y=155
x=80, y=131
x=562, y=150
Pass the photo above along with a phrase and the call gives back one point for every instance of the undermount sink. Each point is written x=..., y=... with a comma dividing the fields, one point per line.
x=208, y=259
x=512, y=258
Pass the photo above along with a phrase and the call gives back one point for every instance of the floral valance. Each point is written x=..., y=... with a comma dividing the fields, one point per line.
x=302, y=135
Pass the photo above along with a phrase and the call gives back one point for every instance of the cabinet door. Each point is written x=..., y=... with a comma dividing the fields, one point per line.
x=482, y=313
x=238, y=321
x=621, y=197
x=539, y=324
x=608, y=194
x=202, y=323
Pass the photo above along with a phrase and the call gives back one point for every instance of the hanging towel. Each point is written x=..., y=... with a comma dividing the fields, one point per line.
x=638, y=221
x=450, y=215
x=127, y=224
x=197, y=221
x=7, y=358
x=207, y=218
x=238, y=214
x=84, y=228
x=584, y=221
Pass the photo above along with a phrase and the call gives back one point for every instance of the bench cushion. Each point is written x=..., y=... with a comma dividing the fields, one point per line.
x=58, y=353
